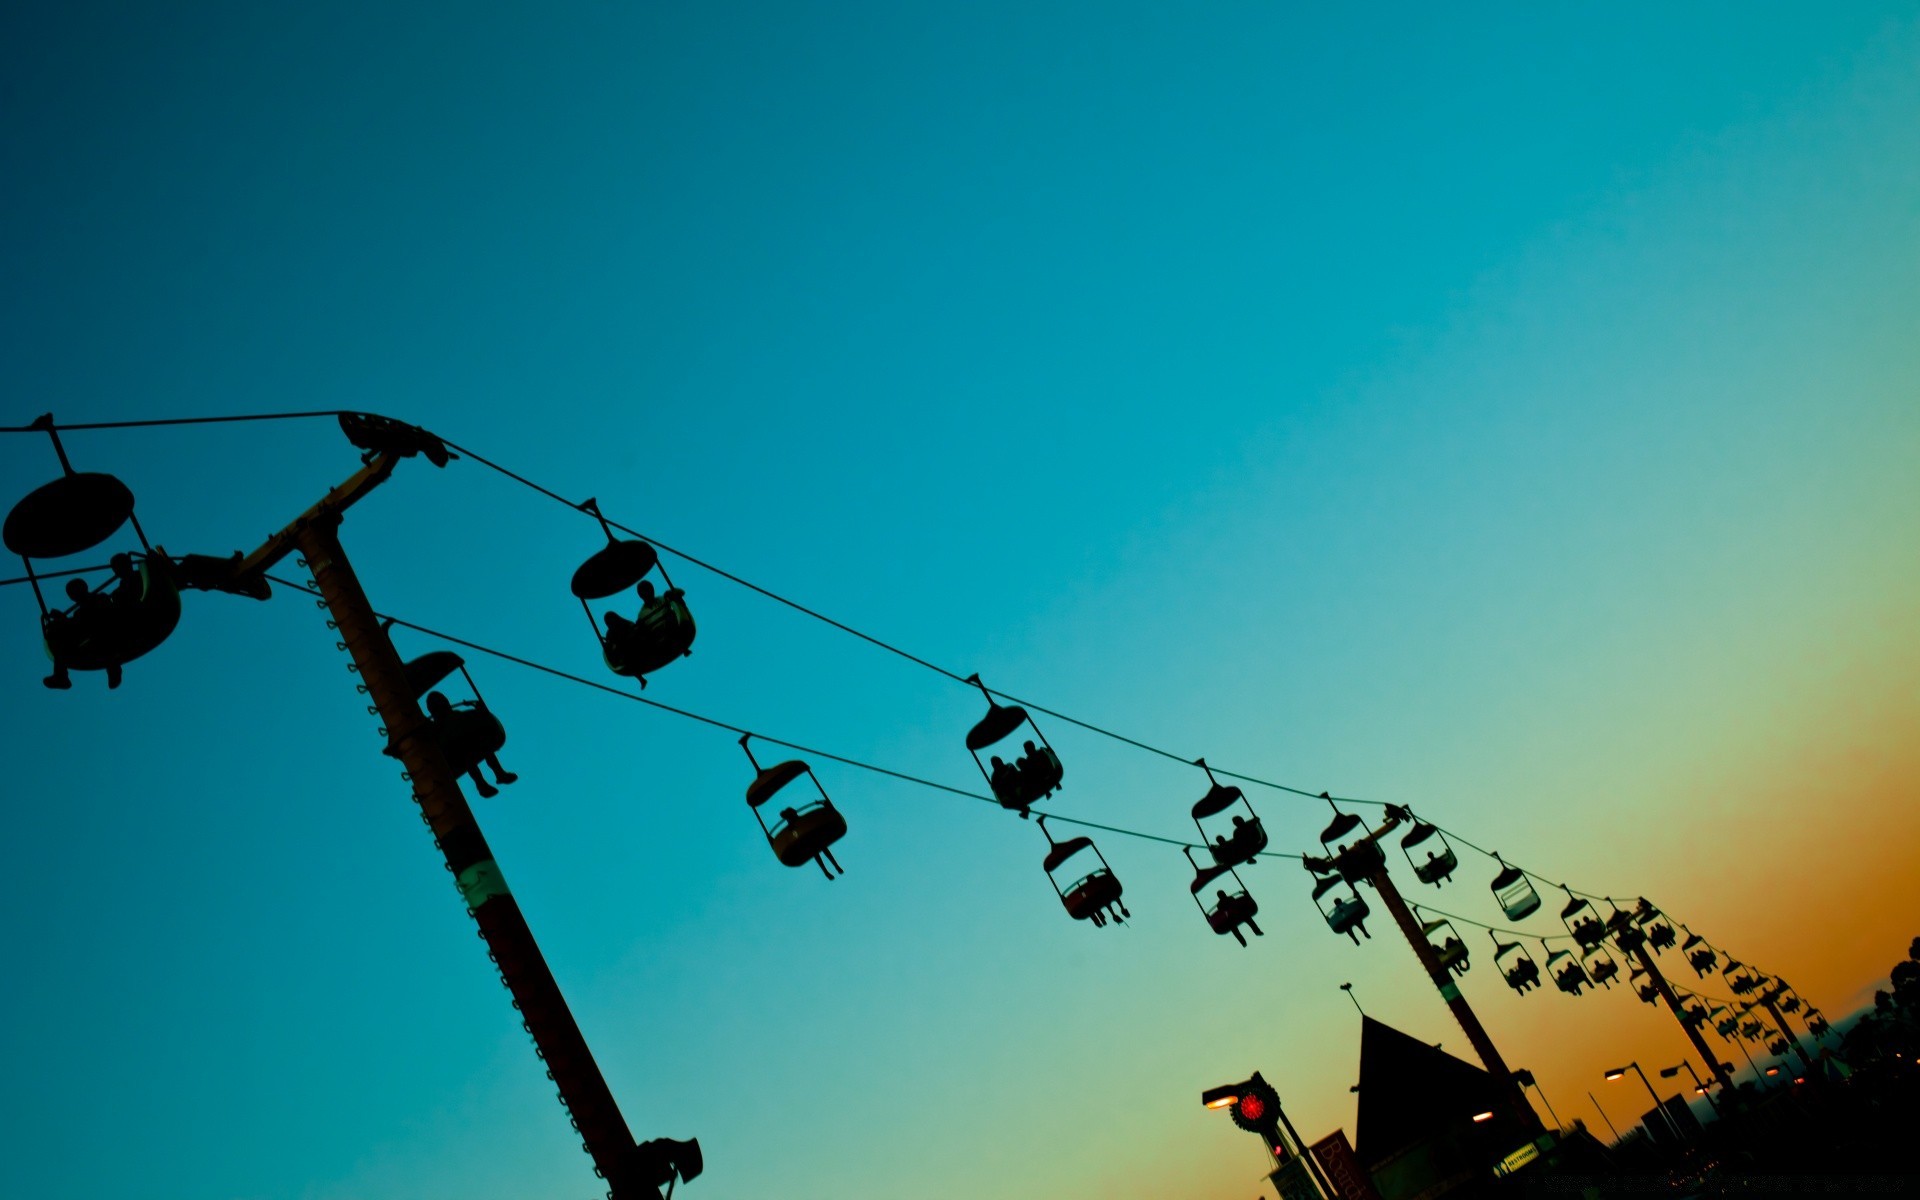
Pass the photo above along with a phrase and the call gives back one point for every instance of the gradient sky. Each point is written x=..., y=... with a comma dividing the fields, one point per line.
x=1509, y=412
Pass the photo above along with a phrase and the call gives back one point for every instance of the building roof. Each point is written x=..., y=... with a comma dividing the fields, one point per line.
x=1411, y=1092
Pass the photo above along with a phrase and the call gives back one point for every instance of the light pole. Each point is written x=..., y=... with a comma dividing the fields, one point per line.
x=1670, y=1072
x=1603, y=1115
x=1620, y=1073
x=1525, y=1079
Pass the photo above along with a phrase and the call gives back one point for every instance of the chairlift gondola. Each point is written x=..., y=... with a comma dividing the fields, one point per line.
x=1700, y=956
x=1094, y=894
x=1246, y=837
x=1659, y=932
x=1448, y=948
x=1438, y=866
x=1601, y=966
x=1817, y=1023
x=805, y=833
x=1344, y=914
x=1568, y=975
x=1033, y=776
x=467, y=731
x=1230, y=909
x=1514, y=891
x=1751, y=1029
x=661, y=632
x=1693, y=1016
x=1351, y=848
x=1643, y=985
x=1777, y=1047
x=1522, y=973
x=1740, y=977
x=99, y=629
x=1728, y=1026
x=1582, y=922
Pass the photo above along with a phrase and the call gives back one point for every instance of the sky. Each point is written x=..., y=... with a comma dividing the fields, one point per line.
x=1506, y=412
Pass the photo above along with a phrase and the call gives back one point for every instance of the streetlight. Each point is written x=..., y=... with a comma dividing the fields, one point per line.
x=1525, y=1079
x=1699, y=1088
x=1620, y=1073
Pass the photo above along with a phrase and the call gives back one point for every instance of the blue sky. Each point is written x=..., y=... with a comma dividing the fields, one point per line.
x=1508, y=412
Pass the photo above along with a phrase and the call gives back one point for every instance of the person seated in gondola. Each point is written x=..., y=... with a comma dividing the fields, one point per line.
x=790, y=815
x=1453, y=953
x=1525, y=974
x=90, y=610
x=444, y=717
x=1038, y=769
x=1004, y=779
x=1233, y=912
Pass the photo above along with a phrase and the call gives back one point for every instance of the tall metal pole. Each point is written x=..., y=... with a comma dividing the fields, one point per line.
x=1603, y=1114
x=1691, y=1029
x=1462, y=1011
x=1659, y=1109
x=1767, y=1001
x=510, y=944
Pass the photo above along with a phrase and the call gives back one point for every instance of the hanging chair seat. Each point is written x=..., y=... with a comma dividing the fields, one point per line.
x=1524, y=974
x=119, y=626
x=809, y=832
x=662, y=633
x=1452, y=954
x=1243, y=845
x=1347, y=914
x=1229, y=914
x=1438, y=867
x=467, y=735
x=1093, y=893
x=1031, y=779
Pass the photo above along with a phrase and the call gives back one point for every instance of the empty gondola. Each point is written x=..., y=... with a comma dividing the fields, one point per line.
x=802, y=834
x=1514, y=891
x=1439, y=862
x=1094, y=894
x=1020, y=784
x=660, y=633
x=1231, y=844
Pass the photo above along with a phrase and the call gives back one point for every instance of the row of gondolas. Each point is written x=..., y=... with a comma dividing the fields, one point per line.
x=103, y=629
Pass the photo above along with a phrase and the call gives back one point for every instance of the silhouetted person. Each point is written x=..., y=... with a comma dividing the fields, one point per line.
x=1233, y=911
x=824, y=855
x=446, y=721
x=89, y=614
x=1004, y=779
